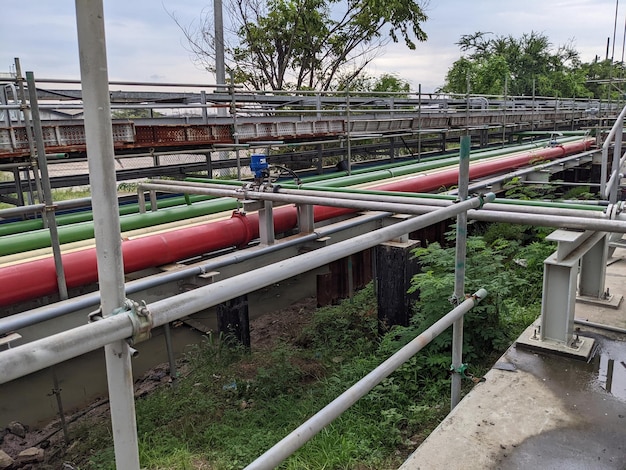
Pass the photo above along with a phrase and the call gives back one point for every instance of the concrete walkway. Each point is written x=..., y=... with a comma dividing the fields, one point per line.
x=541, y=410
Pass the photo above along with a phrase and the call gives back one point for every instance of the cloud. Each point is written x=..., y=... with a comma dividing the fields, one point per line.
x=144, y=43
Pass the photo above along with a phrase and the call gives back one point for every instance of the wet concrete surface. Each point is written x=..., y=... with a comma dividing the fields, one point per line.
x=542, y=410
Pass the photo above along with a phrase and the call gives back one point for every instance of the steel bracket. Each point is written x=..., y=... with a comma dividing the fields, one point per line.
x=139, y=316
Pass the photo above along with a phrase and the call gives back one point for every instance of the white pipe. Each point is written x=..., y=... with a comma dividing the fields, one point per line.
x=301, y=435
x=459, y=271
x=100, y=153
x=551, y=217
x=605, y=188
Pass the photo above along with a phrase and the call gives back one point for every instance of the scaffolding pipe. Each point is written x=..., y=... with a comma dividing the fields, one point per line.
x=31, y=357
x=364, y=201
x=49, y=312
x=606, y=188
x=459, y=273
x=307, y=430
x=100, y=153
x=50, y=220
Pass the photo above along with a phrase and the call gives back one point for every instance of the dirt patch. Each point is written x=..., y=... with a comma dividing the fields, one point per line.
x=282, y=325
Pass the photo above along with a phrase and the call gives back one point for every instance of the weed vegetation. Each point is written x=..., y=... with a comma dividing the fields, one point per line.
x=235, y=403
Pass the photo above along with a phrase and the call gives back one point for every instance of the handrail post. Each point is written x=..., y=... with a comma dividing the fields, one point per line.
x=459, y=271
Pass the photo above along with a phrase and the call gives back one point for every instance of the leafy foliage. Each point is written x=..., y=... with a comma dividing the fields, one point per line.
x=508, y=262
x=527, y=65
x=282, y=44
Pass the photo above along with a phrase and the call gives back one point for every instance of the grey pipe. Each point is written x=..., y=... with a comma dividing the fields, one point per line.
x=170, y=309
x=49, y=218
x=459, y=271
x=22, y=360
x=34, y=208
x=411, y=202
x=600, y=326
x=307, y=430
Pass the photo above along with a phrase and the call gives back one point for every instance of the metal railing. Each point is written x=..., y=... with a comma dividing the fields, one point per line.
x=307, y=430
x=608, y=189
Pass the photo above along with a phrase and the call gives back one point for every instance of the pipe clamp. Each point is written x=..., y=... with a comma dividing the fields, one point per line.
x=140, y=317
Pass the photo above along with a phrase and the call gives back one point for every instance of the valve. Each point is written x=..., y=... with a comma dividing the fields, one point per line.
x=259, y=166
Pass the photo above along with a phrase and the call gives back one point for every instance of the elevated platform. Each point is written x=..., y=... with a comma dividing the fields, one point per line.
x=543, y=410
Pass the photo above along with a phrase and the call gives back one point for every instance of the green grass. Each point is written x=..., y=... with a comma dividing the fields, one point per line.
x=234, y=405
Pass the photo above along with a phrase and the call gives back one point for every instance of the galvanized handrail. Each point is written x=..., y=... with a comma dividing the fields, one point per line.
x=608, y=189
x=330, y=412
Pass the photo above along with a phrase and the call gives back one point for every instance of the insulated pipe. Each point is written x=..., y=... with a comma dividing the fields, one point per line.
x=75, y=232
x=31, y=357
x=429, y=162
x=22, y=242
x=185, y=243
x=452, y=161
x=10, y=228
x=48, y=312
x=307, y=430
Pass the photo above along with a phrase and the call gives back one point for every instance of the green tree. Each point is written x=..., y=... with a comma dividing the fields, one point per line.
x=296, y=44
x=527, y=65
x=604, y=78
x=365, y=83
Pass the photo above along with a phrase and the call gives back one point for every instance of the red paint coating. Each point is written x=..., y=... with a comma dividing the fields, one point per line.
x=35, y=279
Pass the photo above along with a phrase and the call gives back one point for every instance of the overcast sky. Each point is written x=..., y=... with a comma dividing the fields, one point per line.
x=144, y=43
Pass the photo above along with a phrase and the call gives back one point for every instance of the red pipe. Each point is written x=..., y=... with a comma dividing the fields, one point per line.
x=35, y=279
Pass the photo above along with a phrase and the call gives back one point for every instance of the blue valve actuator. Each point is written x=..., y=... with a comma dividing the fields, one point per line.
x=258, y=164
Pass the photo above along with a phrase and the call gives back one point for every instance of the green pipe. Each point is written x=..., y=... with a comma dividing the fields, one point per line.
x=19, y=243
x=415, y=167
x=386, y=166
x=397, y=169
x=84, y=216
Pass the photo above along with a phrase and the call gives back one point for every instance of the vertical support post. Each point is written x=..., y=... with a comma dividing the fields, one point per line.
x=29, y=134
x=233, y=319
x=617, y=153
x=306, y=221
x=209, y=165
x=593, y=270
x=348, y=126
x=459, y=271
x=395, y=267
x=506, y=91
x=17, y=178
x=170, y=354
x=266, y=223
x=205, y=113
x=49, y=216
x=99, y=139
x=153, y=201
x=558, y=301
x=320, y=158
x=419, y=122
